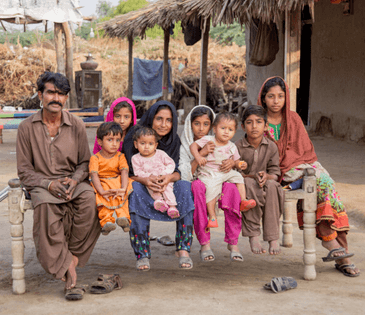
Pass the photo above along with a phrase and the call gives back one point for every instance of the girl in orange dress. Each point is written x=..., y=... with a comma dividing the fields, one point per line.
x=109, y=176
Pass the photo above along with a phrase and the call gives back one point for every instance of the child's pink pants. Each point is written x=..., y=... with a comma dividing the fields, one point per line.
x=229, y=202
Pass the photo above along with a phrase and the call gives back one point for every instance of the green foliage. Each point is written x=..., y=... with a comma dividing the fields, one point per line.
x=104, y=8
x=128, y=6
x=84, y=31
x=25, y=39
x=226, y=34
x=157, y=31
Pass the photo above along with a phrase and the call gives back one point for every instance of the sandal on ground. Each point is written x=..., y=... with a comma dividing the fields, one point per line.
x=143, y=262
x=331, y=255
x=236, y=255
x=205, y=254
x=212, y=223
x=183, y=260
x=107, y=228
x=106, y=284
x=344, y=269
x=173, y=213
x=123, y=222
x=246, y=205
x=165, y=240
x=74, y=294
x=160, y=205
x=281, y=284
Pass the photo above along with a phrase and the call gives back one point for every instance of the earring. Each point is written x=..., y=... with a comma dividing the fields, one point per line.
x=41, y=104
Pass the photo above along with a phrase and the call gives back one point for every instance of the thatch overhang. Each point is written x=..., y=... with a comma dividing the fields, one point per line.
x=242, y=11
x=135, y=23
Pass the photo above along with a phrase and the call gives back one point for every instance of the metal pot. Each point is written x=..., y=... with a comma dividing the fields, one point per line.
x=89, y=64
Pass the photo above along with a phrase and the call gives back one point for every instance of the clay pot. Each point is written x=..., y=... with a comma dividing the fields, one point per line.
x=89, y=64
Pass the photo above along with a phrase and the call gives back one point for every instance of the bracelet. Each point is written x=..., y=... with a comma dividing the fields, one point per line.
x=49, y=184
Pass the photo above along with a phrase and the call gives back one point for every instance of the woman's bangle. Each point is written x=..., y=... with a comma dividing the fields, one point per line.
x=49, y=184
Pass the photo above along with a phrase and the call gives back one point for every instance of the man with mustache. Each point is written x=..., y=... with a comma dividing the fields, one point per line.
x=52, y=160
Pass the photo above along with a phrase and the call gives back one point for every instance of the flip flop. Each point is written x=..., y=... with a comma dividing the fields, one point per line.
x=205, y=254
x=75, y=294
x=236, y=254
x=153, y=238
x=143, y=262
x=332, y=257
x=281, y=284
x=343, y=268
x=106, y=284
x=185, y=260
x=165, y=240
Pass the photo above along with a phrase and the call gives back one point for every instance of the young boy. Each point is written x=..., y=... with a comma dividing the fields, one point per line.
x=261, y=180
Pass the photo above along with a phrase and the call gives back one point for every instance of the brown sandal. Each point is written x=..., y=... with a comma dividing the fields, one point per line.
x=106, y=284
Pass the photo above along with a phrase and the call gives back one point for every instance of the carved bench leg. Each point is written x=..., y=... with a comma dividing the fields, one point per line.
x=16, y=218
x=289, y=209
x=309, y=234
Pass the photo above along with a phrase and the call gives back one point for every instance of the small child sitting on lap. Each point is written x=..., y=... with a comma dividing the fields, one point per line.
x=151, y=161
x=109, y=176
x=220, y=148
x=261, y=180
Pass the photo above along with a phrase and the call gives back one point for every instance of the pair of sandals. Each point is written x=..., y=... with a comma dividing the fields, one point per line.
x=104, y=284
x=234, y=256
x=184, y=263
x=343, y=268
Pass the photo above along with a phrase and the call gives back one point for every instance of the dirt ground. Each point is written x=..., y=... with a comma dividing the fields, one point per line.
x=218, y=287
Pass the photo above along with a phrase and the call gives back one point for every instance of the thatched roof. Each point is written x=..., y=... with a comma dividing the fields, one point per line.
x=135, y=23
x=242, y=11
x=36, y=11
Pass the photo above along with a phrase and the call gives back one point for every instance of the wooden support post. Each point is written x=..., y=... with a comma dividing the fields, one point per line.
x=165, y=73
x=58, y=35
x=16, y=218
x=292, y=53
x=204, y=64
x=69, y=64
x=130, y=67
x=290, y=207
x=309, y=218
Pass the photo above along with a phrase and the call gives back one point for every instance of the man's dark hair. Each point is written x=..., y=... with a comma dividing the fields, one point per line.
x=58, y=79
x=257, y=110
x=108, y=128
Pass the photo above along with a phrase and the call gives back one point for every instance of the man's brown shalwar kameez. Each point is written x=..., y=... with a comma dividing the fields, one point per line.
x=61, y=228
x=269, y=198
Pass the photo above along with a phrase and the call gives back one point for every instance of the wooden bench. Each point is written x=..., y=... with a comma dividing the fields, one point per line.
x=11, y=120
x=18, y=205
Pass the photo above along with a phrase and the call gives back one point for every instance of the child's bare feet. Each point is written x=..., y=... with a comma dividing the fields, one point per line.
x=274, y=248
x=256, y=247
x=340, y=261
x=71, y=275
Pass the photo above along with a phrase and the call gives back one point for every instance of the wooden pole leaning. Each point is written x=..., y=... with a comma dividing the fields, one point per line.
x=58, y=38
x=69, y=63
x=165, y=73
x=309, y=218
x=204, y=63
x=16, y=218
x=130, y=67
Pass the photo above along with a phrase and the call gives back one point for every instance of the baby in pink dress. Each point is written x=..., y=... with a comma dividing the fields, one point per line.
x=151, y=161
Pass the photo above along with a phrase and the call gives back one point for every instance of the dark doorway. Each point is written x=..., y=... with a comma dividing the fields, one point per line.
x=305, y=66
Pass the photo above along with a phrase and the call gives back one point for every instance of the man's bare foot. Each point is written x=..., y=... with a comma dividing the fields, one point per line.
x=71, y=275
x=183, y=253
x=205, y=248
x=235, y=252
x=256, y=247
x=333, y=244
x=274, y=248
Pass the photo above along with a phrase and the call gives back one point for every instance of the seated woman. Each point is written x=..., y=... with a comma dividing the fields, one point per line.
x=296, y=154
x=197, y=125
x=162, y=118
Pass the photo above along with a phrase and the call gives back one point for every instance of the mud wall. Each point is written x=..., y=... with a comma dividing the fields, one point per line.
x=338, y=70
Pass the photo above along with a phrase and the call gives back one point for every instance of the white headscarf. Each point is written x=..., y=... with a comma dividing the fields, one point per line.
x=187, y=138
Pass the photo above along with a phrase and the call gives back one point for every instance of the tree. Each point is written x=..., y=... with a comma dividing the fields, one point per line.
x=104, y=8
x=129, y=5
